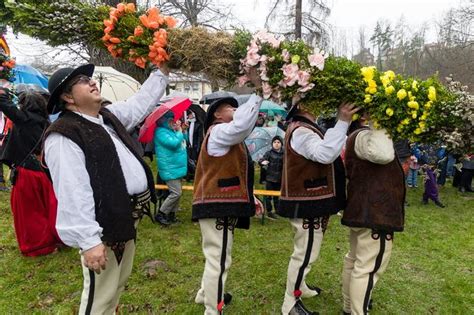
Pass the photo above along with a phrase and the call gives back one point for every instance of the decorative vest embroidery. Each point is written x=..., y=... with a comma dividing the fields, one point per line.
x=304, y=179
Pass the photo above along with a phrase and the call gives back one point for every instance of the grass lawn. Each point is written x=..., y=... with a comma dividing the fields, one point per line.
x=430, y=272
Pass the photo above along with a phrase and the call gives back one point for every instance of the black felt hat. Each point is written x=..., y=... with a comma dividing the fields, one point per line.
x=59, y=80
x=214, y=106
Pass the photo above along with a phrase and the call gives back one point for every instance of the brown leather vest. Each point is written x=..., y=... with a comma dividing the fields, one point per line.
x=304, y=179
x=221, y=184
x=309, y=189
x=376, y=193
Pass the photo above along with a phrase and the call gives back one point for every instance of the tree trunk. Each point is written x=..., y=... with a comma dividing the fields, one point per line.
x=298, y=18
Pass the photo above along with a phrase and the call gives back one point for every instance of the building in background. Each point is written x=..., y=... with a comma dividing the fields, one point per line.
x=193, y=85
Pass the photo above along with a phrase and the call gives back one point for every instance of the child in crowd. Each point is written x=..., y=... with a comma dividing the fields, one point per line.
x=412, y=177
x=272, y=161
x=431, y=187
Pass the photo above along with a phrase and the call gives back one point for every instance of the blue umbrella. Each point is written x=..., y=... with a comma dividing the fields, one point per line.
x=260, y=140
x=272, y=108
x=28, y=74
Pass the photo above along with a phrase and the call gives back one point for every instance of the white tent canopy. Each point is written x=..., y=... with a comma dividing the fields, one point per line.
x=114, y=85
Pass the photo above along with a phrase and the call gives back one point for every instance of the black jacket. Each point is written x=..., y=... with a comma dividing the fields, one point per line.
x=275, y=167
x=24, y=140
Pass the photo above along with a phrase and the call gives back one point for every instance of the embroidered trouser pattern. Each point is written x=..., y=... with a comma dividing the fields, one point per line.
x=307, y=243
x=101, y=292
x=217, y=239
x=365, y=262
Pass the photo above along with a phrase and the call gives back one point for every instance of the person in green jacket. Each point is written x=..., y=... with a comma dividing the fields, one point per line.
x=171, y=157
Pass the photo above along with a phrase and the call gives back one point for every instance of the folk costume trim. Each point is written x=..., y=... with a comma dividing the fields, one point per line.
x=221, y=178
x=304, y=179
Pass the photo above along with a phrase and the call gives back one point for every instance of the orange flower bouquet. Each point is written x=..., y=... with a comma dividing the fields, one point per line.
x=139, y=38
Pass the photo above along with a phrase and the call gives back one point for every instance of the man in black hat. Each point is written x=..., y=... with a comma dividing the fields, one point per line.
x=101, y=182
x=223, y=192
x=313, y=188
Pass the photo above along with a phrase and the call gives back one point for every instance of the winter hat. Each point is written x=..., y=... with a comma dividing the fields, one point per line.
x=277, y=138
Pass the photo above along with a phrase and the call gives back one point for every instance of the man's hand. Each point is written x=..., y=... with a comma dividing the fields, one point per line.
x=346, y=110
x=264, y=163
x=95, y=258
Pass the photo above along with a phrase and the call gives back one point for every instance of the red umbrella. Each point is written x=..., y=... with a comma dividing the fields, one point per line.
x=177, y=105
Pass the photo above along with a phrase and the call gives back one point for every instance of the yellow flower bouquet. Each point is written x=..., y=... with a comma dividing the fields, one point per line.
x=405, y=107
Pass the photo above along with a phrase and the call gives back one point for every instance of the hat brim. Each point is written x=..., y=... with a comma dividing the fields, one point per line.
x=54, y=103
x=214, y=106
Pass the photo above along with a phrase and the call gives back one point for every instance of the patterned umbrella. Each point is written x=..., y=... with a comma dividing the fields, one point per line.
x=260, y=140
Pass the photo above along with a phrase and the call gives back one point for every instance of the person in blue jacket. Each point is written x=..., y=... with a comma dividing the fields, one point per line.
x=171, y=157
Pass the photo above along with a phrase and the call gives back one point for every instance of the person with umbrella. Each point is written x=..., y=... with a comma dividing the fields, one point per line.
x=102, y=184
x=172, y=162
x=223, y=191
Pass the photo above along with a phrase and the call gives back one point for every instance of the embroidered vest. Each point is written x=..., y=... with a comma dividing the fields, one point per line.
x=309, y=189
x=113, y=207
x=223, y=185
x=376, y=193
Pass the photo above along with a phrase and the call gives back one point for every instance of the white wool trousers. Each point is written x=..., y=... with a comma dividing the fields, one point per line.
x=217, y=238
x=307, y=244
x=101, y=292
x=365, y=262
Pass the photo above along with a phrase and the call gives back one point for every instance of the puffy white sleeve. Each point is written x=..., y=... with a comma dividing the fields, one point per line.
x=75, y=222
x=374, y=146
x=136, y=108
x=309, y=144
x=225, y=135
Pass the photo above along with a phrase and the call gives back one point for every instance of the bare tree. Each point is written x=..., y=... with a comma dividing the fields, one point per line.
x=300, y=19
x=205, y=13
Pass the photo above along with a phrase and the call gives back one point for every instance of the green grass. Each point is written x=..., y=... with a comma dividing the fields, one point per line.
x=430, y=272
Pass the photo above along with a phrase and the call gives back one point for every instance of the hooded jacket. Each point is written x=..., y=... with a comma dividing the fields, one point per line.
x=170, y=150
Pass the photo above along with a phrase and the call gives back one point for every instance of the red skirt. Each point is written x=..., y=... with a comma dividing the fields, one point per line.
x=34, y=207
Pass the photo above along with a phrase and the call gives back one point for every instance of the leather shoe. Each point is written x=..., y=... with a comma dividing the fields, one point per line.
x=300, y=309
x=439, y=204
x=227, y=298
x=315, y=288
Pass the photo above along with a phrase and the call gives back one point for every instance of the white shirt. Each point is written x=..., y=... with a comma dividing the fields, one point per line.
x=75, y=222
x=309, y=144
x=225, y=135
x=374, y=146
x=191, y=132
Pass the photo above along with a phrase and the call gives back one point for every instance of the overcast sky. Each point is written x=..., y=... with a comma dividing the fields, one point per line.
x=353, y=13
x=345, y=15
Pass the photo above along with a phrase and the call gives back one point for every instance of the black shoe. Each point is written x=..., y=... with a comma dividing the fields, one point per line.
x=439, y=204
x=345, y=313
x=300, y=309
x=425, y=202
x=162, y=218
x=272, y=216
x=227, y=298
x=315, y=288
x=172, y=218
